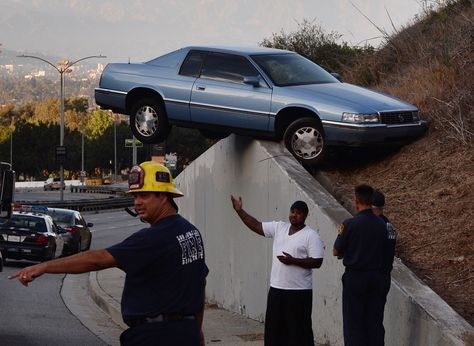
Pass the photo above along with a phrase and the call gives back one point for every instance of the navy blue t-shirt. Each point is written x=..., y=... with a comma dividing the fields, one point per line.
x=362, y=240
x=165, y=269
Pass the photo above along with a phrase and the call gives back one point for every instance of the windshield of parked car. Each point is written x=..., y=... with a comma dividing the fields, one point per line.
x=292, y=69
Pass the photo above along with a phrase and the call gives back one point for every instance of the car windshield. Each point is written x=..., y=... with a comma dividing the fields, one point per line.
x=292, y=69
x=61, y=218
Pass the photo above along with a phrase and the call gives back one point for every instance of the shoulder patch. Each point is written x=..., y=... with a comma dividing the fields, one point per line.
x=341, y=229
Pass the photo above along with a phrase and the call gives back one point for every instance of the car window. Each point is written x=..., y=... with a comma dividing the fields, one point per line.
x=192, y=64
x=78, y=220
x=292, y=69
x=227, y=67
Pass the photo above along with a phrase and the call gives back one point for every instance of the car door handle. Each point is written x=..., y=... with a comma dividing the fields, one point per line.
x=200, y=87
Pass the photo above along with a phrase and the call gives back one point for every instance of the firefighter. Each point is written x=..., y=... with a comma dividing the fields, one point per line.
x=163, y=295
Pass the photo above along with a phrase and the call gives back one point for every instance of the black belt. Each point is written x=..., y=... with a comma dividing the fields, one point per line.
x=161, y=318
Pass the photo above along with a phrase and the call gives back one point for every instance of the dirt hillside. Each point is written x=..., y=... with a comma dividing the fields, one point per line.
x=429, y=184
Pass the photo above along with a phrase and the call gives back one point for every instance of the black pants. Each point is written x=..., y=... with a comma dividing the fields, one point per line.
x=288, y=318
x=363, y=301
x=169, y=333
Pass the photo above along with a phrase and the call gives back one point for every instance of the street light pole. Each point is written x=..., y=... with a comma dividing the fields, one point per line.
x=64, y=67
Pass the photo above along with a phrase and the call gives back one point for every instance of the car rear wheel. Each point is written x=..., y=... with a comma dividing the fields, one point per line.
x=304, y=138
x=148, y=121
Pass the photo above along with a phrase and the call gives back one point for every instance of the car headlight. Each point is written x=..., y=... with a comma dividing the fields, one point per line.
x=360, y=118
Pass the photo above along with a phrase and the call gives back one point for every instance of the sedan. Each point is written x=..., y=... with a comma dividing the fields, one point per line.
x=260, y=92
x=31, y=236
x=52, y=184
x=77, y=235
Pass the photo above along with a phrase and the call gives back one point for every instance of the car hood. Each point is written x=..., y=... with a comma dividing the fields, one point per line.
x=348, y=97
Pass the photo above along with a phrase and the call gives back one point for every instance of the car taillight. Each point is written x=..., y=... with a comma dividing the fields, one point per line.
x=42, y=240
x=71, y=230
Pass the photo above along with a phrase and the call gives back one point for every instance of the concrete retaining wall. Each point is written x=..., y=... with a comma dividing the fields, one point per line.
x=269, y=179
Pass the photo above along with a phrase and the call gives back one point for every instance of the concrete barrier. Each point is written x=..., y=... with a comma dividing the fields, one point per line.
x=269, y=179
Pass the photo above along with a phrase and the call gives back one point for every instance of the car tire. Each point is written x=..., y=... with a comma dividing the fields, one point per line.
x=304, y=139
x=49, y=256
x=148, y=121
x=209, y=134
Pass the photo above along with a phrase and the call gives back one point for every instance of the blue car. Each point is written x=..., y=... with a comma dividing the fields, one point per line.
x=259, y=92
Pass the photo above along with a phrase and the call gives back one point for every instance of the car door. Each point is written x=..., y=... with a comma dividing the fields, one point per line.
x=56, y=233
x=220, y=97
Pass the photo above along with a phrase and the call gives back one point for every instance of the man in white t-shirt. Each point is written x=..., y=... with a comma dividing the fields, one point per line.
x=297, y=250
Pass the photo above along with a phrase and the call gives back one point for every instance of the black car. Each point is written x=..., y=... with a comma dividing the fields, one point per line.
x=78, y=236
x=31, y=236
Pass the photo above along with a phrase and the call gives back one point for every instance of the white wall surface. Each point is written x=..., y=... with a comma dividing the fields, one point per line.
x=269, y=180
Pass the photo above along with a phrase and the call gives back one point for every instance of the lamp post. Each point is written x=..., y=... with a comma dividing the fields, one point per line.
x=63, y=66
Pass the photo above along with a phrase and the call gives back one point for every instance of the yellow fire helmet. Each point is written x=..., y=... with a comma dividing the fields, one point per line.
x=151, y=176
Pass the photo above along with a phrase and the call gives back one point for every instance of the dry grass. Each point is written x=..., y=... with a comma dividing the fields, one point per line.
x=429, y=184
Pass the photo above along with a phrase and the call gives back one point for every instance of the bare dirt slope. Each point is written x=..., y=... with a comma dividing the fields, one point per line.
x=429, y=192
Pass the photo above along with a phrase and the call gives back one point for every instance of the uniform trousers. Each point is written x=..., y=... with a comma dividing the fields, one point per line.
x=364, y=294
x=288, y=318
x=167, y=333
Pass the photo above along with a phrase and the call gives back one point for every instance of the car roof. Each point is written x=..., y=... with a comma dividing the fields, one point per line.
x=60, y=210
x=247, y=50
x=31, y=214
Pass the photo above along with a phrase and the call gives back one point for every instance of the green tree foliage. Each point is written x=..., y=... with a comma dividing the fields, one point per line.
x=7, y=121
x=311, y=41
x=98, y=121
x=187, y=143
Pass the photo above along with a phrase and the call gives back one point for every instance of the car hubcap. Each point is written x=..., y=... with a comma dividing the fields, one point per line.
x=307, y=143
x=146, y=121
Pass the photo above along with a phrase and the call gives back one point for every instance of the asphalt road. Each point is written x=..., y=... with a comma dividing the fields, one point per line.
x=57, y=309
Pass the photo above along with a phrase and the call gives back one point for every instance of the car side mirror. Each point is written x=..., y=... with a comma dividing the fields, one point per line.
x=252, y=80
x=90, y=224
x=7, y=189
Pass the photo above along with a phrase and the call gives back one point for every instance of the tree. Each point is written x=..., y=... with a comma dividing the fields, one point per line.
x=311, y=41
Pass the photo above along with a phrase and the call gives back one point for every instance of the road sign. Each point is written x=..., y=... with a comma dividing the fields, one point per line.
x=129, y=143
x=60, y=154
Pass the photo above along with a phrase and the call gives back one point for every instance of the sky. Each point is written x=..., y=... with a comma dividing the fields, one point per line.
x=139, y=30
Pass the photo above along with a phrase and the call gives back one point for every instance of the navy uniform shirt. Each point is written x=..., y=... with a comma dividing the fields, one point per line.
x=165, y=270
x=361, y=241
x=390, y=246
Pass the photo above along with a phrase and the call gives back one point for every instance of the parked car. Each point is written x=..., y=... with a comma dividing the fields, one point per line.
x=261, y=92
x=78, y=236
x=1, y=262
x=52, y=184
x=31, y=236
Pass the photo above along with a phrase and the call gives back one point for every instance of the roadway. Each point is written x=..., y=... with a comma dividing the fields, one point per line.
x=57, y=309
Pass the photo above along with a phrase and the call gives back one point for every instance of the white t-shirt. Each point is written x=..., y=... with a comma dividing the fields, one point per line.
x=302, y=244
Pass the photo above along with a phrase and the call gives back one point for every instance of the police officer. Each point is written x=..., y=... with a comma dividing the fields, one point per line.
x=163, y=295
x=378, y=204
x=361, y=244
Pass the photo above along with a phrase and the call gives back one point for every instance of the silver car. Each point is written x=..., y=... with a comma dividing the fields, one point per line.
x=261, y=92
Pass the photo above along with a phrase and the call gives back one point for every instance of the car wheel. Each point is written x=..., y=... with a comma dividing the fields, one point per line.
x=214, y=135
x=148, y=121
x=304, y=138
x=50, y=256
